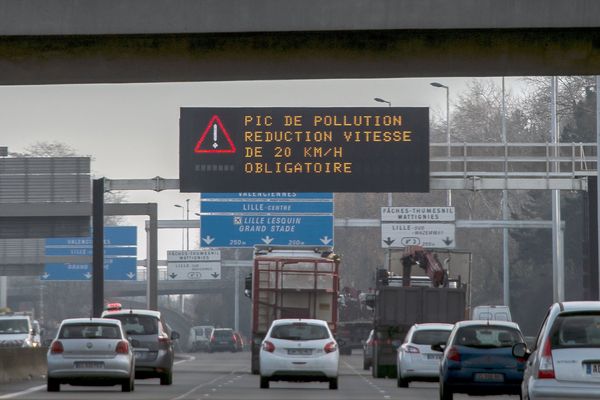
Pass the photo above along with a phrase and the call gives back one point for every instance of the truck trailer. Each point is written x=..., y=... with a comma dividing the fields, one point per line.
x=291, y=282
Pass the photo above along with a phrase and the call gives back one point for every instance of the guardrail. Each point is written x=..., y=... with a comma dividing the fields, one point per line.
x=17, y=364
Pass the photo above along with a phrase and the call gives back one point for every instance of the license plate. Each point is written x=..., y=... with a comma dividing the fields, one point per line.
x=89, y=364
x=434, y=356
x=139, y=355
x=300, y=352
x=593, y=369
x=487, y=377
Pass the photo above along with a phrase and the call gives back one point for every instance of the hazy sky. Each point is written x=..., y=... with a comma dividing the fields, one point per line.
x=132, y=130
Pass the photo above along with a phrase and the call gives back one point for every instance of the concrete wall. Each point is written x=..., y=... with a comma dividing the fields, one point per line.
x=17, y=364
x=97, y=17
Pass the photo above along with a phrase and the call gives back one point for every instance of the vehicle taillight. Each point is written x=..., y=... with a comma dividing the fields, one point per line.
x=330, y=347
x=57, y=347
x=213, y=339
x=164, y=340
x=412, y=349
x=268, y=346
x=234, y=339
x=546, y=370
x=453, y=354
x=122, y=347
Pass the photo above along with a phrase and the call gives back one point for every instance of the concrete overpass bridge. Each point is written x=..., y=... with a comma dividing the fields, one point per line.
x=110, y=41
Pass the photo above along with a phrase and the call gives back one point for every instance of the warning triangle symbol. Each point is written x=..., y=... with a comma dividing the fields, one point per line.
x=215, y=138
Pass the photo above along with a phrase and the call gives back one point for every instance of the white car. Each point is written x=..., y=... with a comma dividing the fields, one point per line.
x=416, y=360
x=565, y=363
x=90, y=351
x=300, y=350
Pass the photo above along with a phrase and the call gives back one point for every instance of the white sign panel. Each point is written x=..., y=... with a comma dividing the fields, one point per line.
x=417, y=214
x=430, y=235
x=193, y=265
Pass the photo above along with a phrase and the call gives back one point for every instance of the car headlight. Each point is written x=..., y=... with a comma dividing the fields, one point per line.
x=27, y=343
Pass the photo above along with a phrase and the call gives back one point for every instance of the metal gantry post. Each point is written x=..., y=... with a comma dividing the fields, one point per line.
x=558, y=272
x=597, y=164
x=98, y=247
x=505, y=214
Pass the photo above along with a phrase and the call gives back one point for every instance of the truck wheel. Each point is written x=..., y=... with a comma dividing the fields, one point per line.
x=53, y=385
x=264, y=382
x=333, y=384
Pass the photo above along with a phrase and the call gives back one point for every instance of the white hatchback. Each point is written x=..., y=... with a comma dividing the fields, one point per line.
x=416, y=360
x=301, y=350
x=565, y=363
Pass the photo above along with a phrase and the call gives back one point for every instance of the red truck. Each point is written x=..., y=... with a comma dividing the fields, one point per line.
x=291, y=282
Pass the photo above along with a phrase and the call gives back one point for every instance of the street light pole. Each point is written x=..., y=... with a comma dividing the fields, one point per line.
x=449, y=152
x=182, y=217
x=389, y=103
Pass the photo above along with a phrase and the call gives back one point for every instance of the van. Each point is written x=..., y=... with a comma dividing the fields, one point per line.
x=497, y=313
x=199, y=337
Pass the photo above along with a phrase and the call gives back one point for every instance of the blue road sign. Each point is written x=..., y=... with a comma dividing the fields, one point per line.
x=269, y=196
x=120, y=256
x=113, y=236
x=267, y=207
x=247, y=231
x=115, y=269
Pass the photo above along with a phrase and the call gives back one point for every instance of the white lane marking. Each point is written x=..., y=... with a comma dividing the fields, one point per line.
x=200, y=386
x=184, y=360
x=21, y=393
x=367, y=380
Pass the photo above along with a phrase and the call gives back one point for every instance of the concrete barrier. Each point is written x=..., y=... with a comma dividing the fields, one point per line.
x=18, y=364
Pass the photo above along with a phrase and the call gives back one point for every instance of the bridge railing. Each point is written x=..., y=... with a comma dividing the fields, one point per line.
x=514, y=160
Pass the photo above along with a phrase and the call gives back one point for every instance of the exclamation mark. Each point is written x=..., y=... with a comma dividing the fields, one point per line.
x=215, y=144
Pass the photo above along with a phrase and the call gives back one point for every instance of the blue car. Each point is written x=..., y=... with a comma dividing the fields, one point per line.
x=478, y=359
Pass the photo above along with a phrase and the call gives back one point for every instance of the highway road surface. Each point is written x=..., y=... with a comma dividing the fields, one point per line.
x=226, y=376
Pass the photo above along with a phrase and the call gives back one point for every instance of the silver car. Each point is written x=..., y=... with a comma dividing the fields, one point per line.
x=152, y=342
x=565, y=361
x=90, y=352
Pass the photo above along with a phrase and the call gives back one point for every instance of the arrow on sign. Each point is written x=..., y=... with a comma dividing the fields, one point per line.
x=130, y=275
x=173, y=275
x=325, y=240
x=267, y=240
x=214, y=275
x=448, y=241
x=87, y=275
x=389, y=241
x=208, y=239
x=45, y=276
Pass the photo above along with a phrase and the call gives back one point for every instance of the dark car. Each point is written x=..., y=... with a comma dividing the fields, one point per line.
x=478, y=359
x=152, y=342
x=222, y=339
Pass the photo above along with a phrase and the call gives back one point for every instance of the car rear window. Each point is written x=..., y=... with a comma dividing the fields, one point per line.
x=576, y=330
x=89, y=331
x=485, y=336
x=10, y=326
x=430, y=337
x=300, y=331
x=223, y=333
x=138, y=324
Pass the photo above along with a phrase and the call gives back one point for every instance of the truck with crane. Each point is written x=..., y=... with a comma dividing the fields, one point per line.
x=401, y=301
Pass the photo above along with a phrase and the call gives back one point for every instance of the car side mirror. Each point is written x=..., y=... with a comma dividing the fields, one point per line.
x=520, y=350
x=441, y=347
x=175, y=335
x=33, y=332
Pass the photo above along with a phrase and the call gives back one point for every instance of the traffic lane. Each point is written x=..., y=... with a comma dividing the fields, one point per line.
x=226, y=376
x=416, y=390
x=189, y=377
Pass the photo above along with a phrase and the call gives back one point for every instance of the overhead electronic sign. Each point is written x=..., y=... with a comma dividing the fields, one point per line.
x=304, y=149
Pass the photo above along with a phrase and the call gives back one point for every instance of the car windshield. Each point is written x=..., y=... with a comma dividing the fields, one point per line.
x=576, y=330
x=11, y=326
x=299, y=331
x=138, y=324
x=89, y=331
x=485, y=336
x=430, y=336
